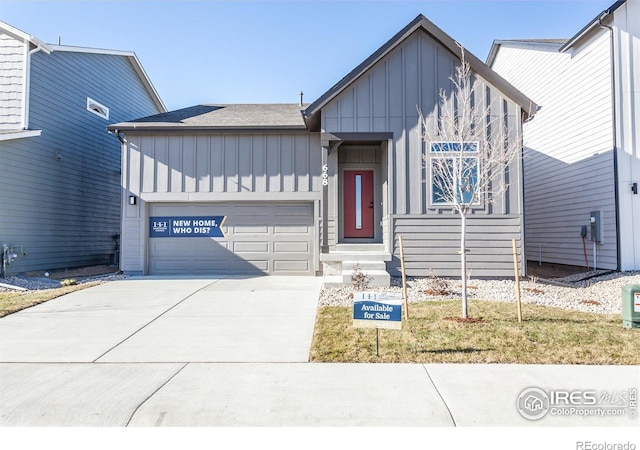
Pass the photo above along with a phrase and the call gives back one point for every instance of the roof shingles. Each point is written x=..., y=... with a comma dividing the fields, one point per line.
x=259, y=116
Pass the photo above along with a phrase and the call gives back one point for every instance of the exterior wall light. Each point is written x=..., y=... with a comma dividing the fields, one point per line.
x=133, y=200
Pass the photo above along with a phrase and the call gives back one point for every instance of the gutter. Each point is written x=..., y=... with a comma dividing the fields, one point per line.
x=597, y=22
x=614, y=125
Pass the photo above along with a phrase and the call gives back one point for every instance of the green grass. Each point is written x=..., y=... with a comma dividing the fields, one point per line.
x=11, y=302
x=546, y=336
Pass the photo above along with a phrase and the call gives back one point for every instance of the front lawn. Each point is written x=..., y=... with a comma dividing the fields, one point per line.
x=432, y=335
x=11, y=302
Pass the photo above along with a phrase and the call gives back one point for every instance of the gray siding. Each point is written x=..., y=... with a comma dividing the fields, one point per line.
x=555, y=216
x=489, y=240
x=61, y=190
x=386, y=99
x=12, y=61
x=568, y=164
x=223, y=164
x=265, y=167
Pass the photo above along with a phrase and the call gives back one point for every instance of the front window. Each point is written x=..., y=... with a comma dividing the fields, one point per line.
x=453, y=167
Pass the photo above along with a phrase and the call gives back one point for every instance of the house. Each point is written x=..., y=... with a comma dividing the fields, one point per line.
x=60, y=183
x=315, y=188
x=582, y=156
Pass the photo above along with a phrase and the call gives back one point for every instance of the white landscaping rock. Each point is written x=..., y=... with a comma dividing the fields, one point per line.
x=601, y=294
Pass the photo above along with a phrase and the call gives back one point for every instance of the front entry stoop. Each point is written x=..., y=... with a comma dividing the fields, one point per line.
x=339, y=265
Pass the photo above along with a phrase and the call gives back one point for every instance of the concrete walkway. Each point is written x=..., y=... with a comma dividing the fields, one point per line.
x=233, y=352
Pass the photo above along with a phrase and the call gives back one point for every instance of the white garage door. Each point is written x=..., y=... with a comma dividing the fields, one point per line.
x=260, y=238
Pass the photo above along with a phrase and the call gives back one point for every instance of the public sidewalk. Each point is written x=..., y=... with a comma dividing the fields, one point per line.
x=233, y=351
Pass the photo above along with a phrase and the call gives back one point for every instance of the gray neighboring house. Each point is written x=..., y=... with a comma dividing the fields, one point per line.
x=582, y=156
x=60, y=183
x=316, y=188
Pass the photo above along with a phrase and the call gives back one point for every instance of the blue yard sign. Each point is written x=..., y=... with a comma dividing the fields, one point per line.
x=187, y=226
x=377, y=310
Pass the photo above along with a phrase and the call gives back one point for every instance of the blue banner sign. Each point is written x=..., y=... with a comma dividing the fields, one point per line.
x=189, y=226
x=377, y=310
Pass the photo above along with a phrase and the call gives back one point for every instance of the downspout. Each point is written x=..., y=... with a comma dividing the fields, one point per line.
x=116, y=133
x=615, y=137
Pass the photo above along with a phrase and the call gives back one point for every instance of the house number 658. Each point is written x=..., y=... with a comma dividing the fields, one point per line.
x=325, y=175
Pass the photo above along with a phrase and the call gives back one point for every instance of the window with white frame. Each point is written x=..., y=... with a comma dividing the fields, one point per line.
x=97, y=108
x=453, y=169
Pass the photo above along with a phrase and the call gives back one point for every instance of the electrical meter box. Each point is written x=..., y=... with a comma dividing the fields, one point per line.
x=595, y=220
x=631, y=306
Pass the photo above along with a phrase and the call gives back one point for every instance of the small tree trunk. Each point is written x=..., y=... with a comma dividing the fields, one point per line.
x=463, y=264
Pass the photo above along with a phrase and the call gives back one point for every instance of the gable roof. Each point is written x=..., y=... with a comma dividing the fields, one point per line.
x=551, y=45
x=35, y=43
x=279, y=116
x=312, y=116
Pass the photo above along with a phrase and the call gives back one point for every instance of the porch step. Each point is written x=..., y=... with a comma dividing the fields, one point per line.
x=377, y=278
x=349, y=266
x=374, y=270
x=339, y=263
x=356, y=255
x=359, y=248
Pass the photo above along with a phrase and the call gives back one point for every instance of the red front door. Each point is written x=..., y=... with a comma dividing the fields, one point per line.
x=358, y=204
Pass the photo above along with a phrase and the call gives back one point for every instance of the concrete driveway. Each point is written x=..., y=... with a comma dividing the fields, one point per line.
x=259, y=319
x=234, y=352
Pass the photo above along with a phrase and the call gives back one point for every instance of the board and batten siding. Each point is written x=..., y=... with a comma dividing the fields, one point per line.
x=568, y=163
x=61, y=190
x=12, y=80
x=627, y=48
x=386, y=98
x=209, y=168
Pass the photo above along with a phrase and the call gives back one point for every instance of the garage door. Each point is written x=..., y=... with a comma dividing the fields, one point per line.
x=260, y=238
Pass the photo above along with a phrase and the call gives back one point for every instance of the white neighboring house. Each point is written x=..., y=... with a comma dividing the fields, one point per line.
x=582, y=150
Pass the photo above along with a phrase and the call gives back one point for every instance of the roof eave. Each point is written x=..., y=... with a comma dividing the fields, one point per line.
x=522, y=43
x=19, y=134
x=494, y=52
x=25, y=37
x=591, y=25
x=133, y=128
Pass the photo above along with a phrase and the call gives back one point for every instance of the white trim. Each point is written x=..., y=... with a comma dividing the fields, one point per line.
x=21, y=35
x=24, y=120
x=19, y=134
x=477, y=143
x=97, y=108
x=97, y=51
x=453, y=156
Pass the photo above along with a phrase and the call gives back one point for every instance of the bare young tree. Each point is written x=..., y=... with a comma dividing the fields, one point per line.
x=469, y=150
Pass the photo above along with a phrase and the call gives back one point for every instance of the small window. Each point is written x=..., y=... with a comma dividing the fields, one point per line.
x=97, y=108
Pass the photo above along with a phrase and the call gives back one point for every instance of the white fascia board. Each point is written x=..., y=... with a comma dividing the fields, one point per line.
x=19, y=135
x=25, y=37
x=98, y=51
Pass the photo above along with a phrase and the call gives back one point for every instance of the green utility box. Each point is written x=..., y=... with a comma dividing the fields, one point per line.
x=631, y=306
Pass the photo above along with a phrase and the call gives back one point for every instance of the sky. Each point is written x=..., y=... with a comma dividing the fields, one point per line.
x=206, y=51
